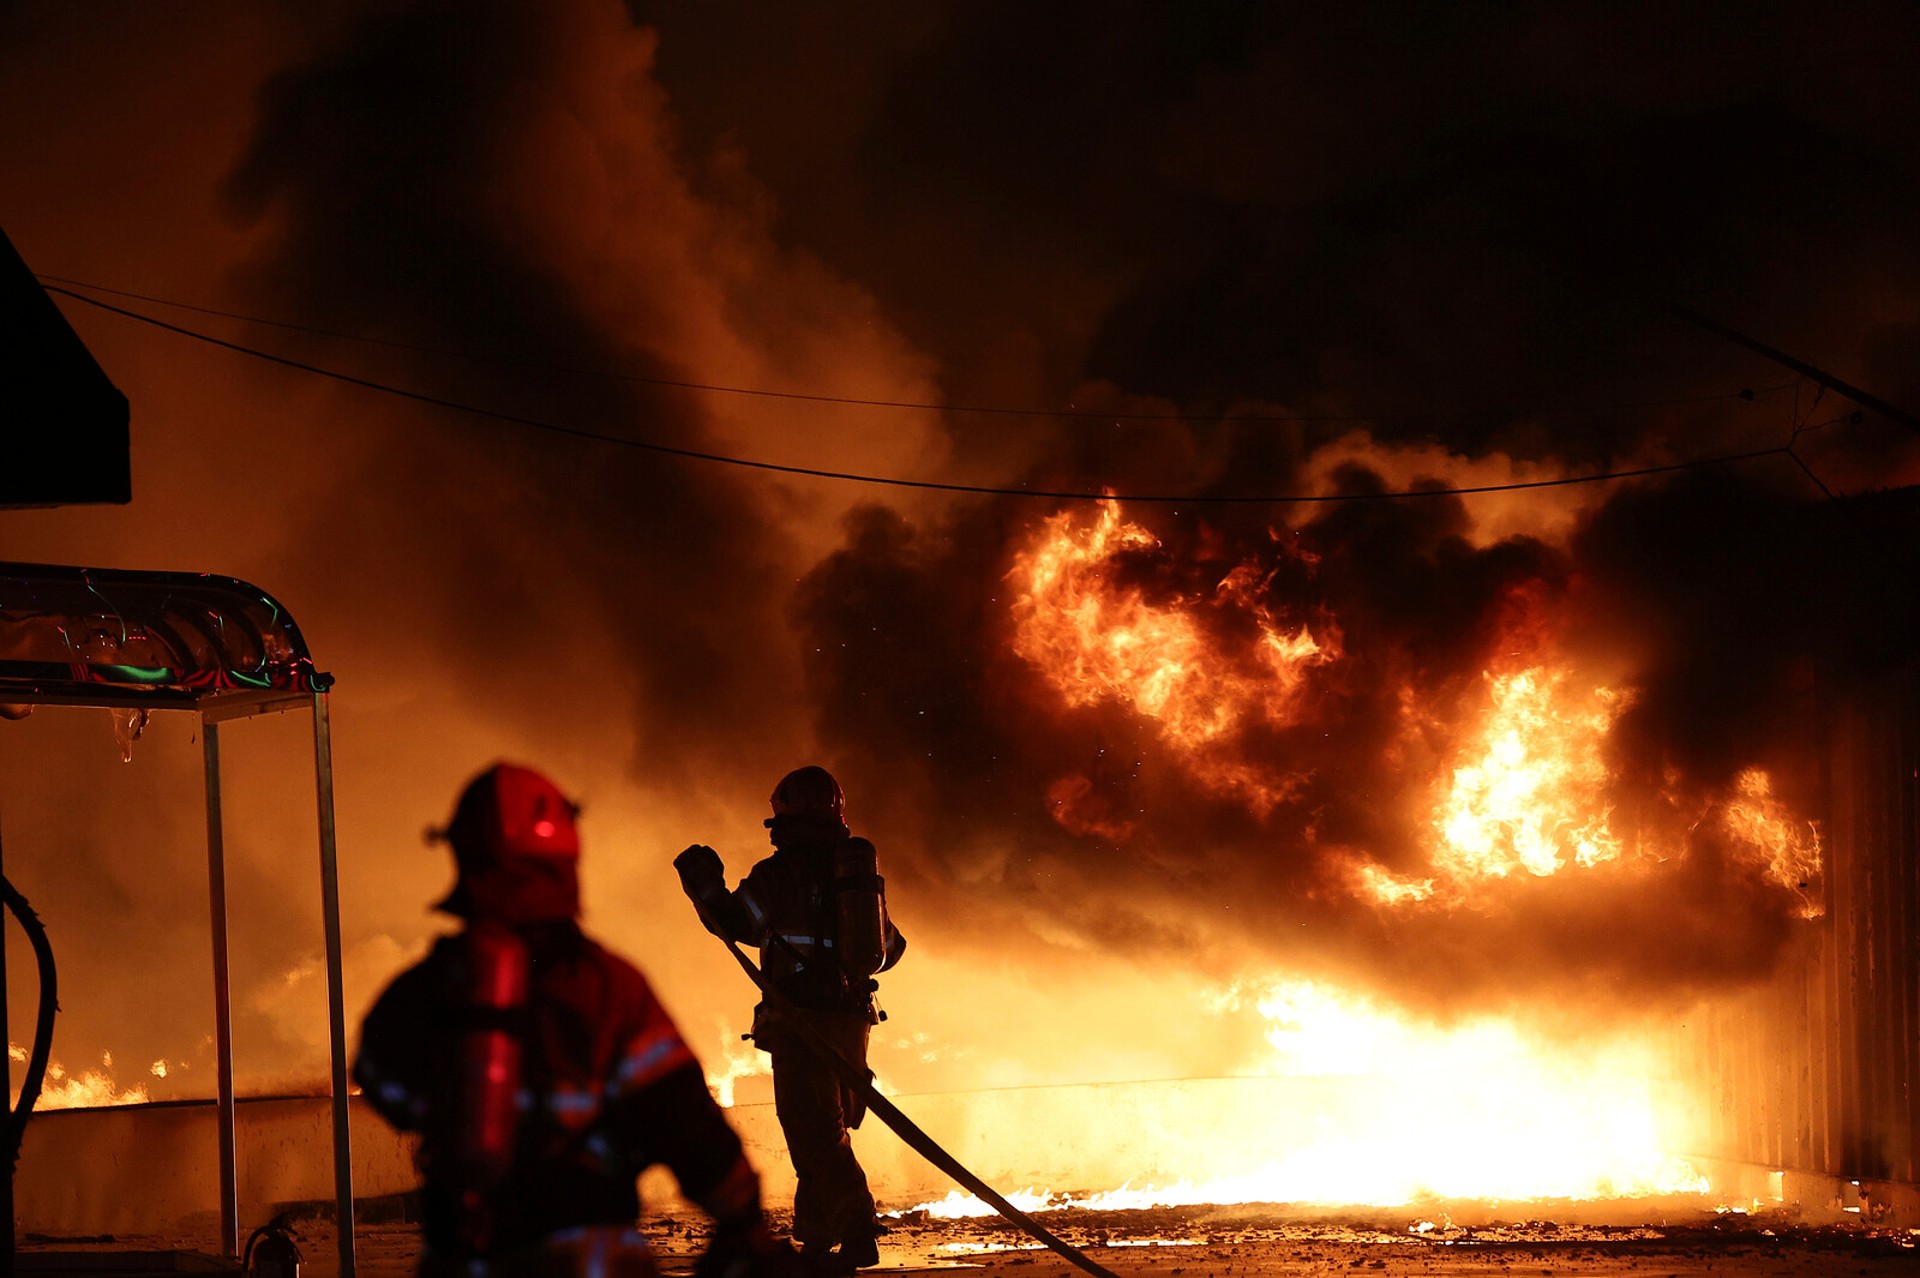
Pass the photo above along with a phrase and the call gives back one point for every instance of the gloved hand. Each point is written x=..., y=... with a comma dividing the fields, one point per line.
x=747, y=1249
x=701, y=870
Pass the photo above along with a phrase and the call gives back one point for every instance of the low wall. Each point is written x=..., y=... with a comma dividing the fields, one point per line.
x=154, y=1169
x=148, y=1169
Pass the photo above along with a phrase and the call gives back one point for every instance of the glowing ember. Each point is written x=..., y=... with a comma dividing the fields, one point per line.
x=1098, y=638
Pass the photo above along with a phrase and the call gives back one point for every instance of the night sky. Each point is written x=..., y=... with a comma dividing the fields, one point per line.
x=1199, y=252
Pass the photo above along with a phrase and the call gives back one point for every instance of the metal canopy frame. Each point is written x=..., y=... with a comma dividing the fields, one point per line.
x=225, y=650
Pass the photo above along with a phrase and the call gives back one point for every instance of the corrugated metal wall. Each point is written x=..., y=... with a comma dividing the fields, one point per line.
x=1818, y=1070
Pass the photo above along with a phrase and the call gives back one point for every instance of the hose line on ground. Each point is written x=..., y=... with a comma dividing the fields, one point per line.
x=43, y=1023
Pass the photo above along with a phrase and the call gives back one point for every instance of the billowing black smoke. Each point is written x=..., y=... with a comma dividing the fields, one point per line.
x=377, y=167
x=1733, y=611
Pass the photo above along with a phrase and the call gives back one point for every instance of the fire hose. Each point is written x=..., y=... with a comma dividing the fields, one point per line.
x=43, y=1025
x=861, y=1081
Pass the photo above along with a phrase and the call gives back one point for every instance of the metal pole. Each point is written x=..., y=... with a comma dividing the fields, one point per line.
x=222, y=996
x=336, y=1008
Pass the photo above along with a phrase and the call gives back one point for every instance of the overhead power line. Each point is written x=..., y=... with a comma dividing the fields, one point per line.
x=1827, y=380
x=669, y=450
x=999, y=410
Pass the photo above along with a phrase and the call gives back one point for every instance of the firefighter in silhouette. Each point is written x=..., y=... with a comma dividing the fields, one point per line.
x=817, y=909
x=541, y=1072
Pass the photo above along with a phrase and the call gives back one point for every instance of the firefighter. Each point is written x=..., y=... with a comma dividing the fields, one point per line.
x=541, y=1072
x=817, y=910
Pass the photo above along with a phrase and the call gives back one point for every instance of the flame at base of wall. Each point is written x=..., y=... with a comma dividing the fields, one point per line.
x=1362, y=1109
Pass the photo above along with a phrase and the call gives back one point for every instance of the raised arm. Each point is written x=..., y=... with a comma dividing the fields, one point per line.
x=728, y=914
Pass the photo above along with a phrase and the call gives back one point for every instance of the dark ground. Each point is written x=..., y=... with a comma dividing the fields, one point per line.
x=1252, y=1242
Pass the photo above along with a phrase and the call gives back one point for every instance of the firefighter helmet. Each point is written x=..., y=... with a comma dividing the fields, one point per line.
x=515, y=845
x=809, y=791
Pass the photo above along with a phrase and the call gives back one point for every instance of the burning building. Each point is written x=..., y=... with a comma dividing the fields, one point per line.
x=1269, y=733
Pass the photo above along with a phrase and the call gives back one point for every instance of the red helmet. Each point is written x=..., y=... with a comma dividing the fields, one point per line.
x=809, y=791
x=516, y=846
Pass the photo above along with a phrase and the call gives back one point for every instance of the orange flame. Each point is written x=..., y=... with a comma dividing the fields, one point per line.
x=1098, y=640
x=88, y=1089
x=1786, y=847
x=1527, y=791
x=1532, y=795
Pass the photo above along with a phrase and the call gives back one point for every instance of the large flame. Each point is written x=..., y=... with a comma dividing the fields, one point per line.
x=1525, y=787
x=1532, y=796
x=1099, y=638
x=1519, y=787
x=1397, y=1112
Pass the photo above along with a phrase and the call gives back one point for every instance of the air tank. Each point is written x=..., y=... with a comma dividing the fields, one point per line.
x=860, y=907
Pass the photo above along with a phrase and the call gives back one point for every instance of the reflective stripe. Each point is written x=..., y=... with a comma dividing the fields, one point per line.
x=817, y=942
x=652, y=1057
x=646, y=1058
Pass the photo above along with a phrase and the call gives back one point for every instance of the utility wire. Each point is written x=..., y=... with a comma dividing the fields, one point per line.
x=669, y=450
x=1826, y=380
x=1001, y=410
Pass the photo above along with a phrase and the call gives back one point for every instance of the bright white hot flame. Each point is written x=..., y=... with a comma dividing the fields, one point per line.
x=1531, y=795
x=1362, y=1107
x=736, y=1060
x=1474, y=1110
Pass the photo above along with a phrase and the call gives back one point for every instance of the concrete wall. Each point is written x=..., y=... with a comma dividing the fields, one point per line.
x=154, y=1169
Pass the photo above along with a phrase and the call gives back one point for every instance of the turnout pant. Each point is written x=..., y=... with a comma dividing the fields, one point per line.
x=831, y=1201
